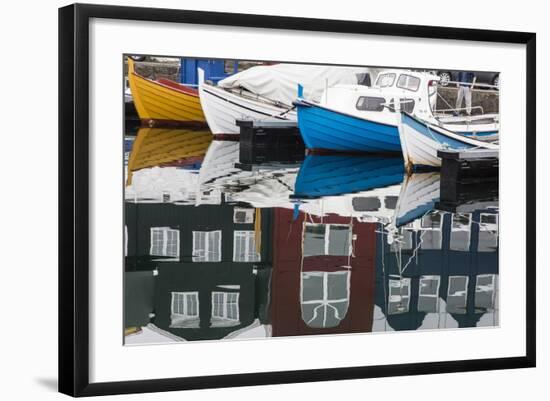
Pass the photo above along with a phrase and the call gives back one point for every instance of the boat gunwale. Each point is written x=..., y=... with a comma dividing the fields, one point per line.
x=188, y=92
x=307, y=103
x=211, y=90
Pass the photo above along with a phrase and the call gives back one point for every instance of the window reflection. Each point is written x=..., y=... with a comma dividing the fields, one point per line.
x=325, y=298
x=327, y=239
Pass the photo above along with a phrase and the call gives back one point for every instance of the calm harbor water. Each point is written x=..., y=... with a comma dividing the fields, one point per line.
x=325, y=244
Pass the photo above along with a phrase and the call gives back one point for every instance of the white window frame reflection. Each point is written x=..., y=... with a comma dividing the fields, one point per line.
x=225, y=318
x=205, y=254
x=487, y=288
x=327, y=237
x=463, y=293
x=398, y=297
x=167, y=248
x=245, y=240
x=406, y=240
x=491, y=228
x=432, y=296
x=325, y=303
x=467, y=228
x=181, y=311
x=435, y=228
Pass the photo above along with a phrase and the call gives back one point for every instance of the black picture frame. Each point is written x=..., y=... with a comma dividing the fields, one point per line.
x=74, y=198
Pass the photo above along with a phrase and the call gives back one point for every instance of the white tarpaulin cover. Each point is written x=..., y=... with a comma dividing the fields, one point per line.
x=279, y=82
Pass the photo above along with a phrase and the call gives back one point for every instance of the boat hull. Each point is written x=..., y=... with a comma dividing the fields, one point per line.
x=164, y=102
x=326, y=129
x=334, y=175
x=419, y=193
x=420, y=142
x=223, y=108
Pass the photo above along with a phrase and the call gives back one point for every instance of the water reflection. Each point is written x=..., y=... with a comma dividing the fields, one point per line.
x=216, y=249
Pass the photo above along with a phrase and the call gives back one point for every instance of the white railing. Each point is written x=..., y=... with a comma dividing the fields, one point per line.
x=473, y=84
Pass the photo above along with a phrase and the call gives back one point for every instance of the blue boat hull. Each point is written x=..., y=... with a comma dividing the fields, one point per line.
x=337, y=175
x=326, y=129
x=322, y=128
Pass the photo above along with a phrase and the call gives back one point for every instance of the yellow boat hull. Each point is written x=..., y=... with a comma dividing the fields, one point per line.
x=157, y=146
x=160, y=103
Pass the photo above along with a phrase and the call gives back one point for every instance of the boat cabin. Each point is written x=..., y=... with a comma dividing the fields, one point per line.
x=393, y=90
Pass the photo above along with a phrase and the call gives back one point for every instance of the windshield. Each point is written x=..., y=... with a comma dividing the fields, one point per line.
x=385, y=80
x=408, y=82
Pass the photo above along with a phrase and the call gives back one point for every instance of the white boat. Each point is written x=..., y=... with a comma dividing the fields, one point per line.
x=420, y=142
x=417, y=196
x=266, y=93
x=360, y=118
x=223, y=108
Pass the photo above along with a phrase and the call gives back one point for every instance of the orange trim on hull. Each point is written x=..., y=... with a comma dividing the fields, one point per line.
x=177, y=86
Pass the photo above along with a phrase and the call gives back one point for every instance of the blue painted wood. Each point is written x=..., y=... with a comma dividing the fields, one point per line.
x=322, y=128
x=335, y=175
x=214, y=70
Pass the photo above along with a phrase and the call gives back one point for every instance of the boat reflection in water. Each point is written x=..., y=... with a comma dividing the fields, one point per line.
x=334, y=244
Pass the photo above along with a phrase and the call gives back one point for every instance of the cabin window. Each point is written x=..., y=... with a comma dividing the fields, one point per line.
x=366, y=204
x=363, y=79
x=485, y=292
x=430, y=236
x=408, y=82
x=165, y=242
x=327, y=239
x=385, y=80
x=185, y=310
x=428, y=293
x=460, y=232
x=244, y=247
x=225, y=309
x=390, y=202
x=369, y=103
x=243, y=216
x=488, y=232
x=407, y=105
x=457, y=294
x=324, y=298
x=207, y=246
x=399, y=296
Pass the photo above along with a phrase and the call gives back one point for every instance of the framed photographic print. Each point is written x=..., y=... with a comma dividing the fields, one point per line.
x=252, y=199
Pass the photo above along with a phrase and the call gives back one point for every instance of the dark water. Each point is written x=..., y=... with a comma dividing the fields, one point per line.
x=216, y=249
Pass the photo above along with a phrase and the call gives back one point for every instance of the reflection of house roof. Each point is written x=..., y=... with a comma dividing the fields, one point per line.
x=156, y=147
x=179, y=185
x=379, y=321
x=254, y=330
x=439, y=320
x=151, y=334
